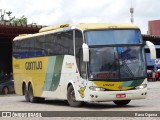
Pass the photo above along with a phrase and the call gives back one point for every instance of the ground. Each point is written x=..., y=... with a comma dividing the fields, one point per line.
x=17, y=103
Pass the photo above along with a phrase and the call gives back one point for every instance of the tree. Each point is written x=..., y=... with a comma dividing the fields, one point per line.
x=21, y=20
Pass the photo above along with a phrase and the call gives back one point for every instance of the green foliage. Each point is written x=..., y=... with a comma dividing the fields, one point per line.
x=21, y=20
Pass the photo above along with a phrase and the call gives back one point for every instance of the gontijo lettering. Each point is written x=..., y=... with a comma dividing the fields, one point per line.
x=33, y=65
x=108, y=84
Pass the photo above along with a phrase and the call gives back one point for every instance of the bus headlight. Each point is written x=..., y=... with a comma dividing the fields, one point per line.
x=94, y=88
x=141, y=86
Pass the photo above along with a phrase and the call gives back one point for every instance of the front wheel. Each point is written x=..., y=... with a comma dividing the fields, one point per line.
x=71, y=98
x=121, y=102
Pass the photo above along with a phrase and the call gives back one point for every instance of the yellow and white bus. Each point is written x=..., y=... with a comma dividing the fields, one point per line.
x=93, y=62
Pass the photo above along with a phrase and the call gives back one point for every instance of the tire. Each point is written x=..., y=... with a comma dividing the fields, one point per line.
x=5, y=91
x=71, y=97
x=40, y=100
x=25, y=91
x=121, y=102
x=32, y=99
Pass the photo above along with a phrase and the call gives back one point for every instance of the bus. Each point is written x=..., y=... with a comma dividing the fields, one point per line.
x=85, y=62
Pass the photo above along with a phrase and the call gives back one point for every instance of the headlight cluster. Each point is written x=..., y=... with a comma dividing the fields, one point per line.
x=94, y=88
x=141, y=86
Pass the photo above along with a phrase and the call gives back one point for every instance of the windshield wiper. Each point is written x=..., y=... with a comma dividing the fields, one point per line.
x=128, y=69
x=126, y=56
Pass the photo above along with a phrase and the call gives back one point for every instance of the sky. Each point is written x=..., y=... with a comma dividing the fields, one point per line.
x=53, y=12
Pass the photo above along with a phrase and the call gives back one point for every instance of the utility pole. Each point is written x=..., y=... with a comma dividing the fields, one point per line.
x=2, y=14
x=132, y=11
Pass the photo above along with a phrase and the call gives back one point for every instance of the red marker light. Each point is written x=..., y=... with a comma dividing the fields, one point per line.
x=120, y=95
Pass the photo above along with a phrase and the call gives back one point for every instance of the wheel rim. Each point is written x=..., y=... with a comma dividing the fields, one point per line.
x=72, y=96
x=25, y=92
x=30, y=94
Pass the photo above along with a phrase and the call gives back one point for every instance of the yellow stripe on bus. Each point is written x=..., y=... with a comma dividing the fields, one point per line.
x=111, y=85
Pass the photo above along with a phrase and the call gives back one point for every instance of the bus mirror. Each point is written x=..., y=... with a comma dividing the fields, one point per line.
x=152, y=49
x=85, y=52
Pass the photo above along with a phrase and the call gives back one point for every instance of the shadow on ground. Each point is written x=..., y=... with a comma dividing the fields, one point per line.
x=88, y=105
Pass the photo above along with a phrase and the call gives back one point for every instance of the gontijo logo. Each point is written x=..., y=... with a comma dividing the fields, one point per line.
x=33, y=65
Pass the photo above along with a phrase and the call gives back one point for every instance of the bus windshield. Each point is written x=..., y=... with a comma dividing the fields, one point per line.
x=116, y=61
x=107, y=37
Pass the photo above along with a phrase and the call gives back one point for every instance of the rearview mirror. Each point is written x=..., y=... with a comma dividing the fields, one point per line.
x=85, y=52
x=152, y=49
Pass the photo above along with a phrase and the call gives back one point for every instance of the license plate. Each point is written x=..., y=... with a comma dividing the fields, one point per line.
x=120, y=95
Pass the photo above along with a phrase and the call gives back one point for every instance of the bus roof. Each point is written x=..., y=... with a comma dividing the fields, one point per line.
x=91, y=26
x=81, y=26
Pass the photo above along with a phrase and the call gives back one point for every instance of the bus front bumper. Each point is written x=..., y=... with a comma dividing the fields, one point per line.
x=102, y=96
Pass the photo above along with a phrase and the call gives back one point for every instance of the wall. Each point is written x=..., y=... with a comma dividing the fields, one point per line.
x=154, y=27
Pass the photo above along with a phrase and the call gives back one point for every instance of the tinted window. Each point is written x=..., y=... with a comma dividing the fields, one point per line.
x=45, y=45
x=104, y=60
x=117, y=62
x=78, y=53
x=107, y=37
x=59, y=43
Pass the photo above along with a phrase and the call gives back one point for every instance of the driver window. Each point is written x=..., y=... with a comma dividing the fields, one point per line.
x=78, y=53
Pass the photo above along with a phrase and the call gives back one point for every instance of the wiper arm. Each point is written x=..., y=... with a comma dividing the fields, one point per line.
x=128, y=69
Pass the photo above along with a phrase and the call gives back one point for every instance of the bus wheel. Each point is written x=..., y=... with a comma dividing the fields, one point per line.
x=121, y=102
x=5, y=90
x=25, y=91
x=40, y=100
x=71, y=97
x=32, y=99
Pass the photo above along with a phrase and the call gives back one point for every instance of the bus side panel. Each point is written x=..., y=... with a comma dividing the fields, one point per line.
x=61, y=71
x=18, y=78
x=31, y=70
x=49, y=76
x=71, y=75
x=51, y=87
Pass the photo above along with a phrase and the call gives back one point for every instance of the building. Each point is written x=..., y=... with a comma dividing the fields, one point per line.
x=154, y=27
x=153, y=36
x=7, y=33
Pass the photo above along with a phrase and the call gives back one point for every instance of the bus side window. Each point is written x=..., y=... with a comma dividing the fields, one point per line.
x=49, y=44
x=40, y=46
x=82, y=65
x=59, y=43
x=20, y=48
x=78, y=53
x=67, y=42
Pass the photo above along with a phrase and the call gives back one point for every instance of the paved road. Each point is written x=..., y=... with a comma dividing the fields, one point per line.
x=17, y=103
x=152, y=103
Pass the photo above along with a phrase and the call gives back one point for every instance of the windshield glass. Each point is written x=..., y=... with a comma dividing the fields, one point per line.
x=117, y=62
x=105, y=37
x=132, y=62
x=104, y=62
